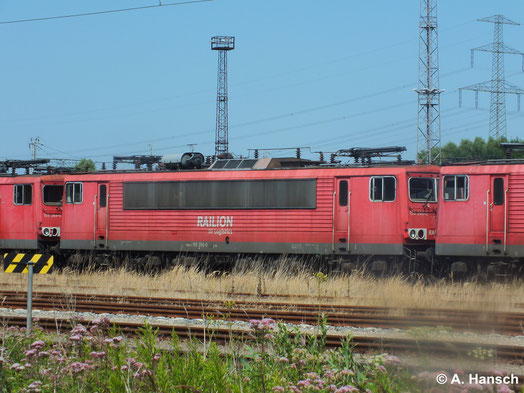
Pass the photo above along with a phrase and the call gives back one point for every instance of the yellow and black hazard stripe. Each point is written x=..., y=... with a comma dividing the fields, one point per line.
x=18, y=263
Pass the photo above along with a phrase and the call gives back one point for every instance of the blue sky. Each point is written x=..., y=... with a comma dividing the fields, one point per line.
x=321, y=74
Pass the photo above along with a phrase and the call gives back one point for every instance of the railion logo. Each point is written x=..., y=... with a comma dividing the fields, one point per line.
x=215, y=221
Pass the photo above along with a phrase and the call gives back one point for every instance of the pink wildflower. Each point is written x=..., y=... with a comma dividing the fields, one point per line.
x=117, y=339
x=267, y=322
x=346, y=372
x=254, y=323
x=43, y=354
x=124, y=368
x=30, y=352
x=283, y=360
x=76, y=337
x=278, y=389
x=312, y=375
x=97, y=355
x=294, y=389
x=390, y=359
x=35, y=387
x=320, y=382
x=138, y=365
x=246, y=379
x=79, y=329
x=78, y=367
x=474, y=387
x=346, y=389
x=304, y=383
x=503, y=389
x=39, y=344
x=263, y=324
x=156, y=358
x=329, y=375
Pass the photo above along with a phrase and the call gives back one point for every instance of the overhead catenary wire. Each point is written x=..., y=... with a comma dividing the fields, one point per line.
x=160, y=4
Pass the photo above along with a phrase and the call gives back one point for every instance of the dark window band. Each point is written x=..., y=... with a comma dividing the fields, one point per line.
x=226, y=194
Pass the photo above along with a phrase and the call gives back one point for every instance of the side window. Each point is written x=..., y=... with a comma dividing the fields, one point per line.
x=74, y=193
x=23, y=194
x=343, y=193
x=103, y=196
x=456, y=188
x=498, y=191
x=382, y=189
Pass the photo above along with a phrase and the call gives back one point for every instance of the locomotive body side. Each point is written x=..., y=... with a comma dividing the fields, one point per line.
x=481, y=212
x=324, y=211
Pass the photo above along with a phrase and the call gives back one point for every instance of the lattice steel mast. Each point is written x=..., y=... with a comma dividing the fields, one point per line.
x=497, y=86
x=222, y=44
x=428, y=124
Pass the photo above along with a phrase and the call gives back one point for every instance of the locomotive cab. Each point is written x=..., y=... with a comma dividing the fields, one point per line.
x=422, y=208
x=52, y=191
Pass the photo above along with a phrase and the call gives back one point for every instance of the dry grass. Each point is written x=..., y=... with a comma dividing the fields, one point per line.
x=283, y=281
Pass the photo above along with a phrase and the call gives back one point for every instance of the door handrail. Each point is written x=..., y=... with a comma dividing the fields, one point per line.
x=505, y=217
x=487, y=220
x=349, y=215
x=333, y=222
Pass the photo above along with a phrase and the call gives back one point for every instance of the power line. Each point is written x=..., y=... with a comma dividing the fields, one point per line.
x=101, y=12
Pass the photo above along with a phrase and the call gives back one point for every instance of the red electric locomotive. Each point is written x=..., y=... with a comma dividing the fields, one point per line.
x=30, y=211
x=345, y=212
x=481, y=217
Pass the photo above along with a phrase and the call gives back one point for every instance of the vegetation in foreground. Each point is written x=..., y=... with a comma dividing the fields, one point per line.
x=97, y=358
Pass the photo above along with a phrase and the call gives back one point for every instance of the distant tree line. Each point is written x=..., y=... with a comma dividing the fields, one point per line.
x=85, y=165
x=477, y=149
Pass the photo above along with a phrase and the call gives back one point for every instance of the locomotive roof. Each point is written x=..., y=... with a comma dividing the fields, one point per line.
x=239, y=174
x=502, y=166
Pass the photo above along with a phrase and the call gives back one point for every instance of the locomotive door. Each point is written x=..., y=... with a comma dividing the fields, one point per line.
x=497, y=210
x=101, y=215
x=342, y=210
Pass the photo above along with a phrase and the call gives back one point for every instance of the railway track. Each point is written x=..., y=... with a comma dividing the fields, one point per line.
x=297, y=313
x=450, y=349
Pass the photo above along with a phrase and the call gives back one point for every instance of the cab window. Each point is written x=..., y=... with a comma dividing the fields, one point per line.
x=23, y=194
x=423, y=189
x=456, y=188
x=52, y=195
x=74, y=193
